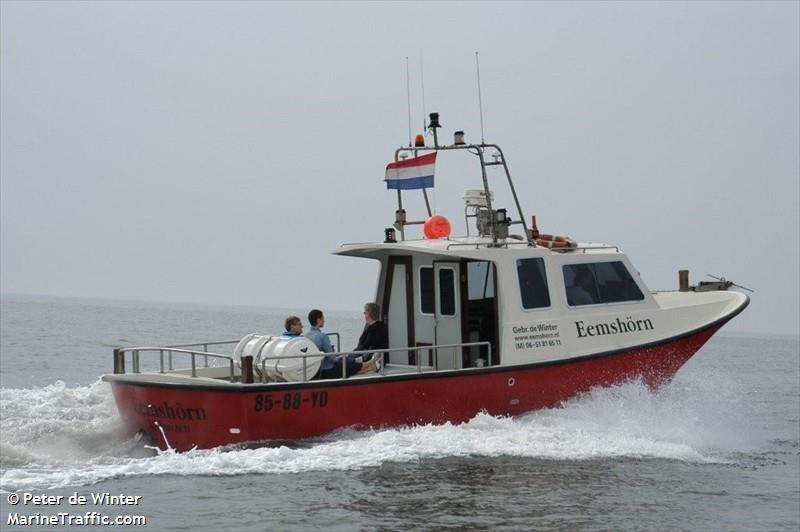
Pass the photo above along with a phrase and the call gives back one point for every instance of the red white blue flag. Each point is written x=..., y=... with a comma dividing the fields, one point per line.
x=411, y=173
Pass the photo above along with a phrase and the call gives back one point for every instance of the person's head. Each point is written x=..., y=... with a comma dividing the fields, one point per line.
x=316, y=318
x=372, y=312
x=293, y=325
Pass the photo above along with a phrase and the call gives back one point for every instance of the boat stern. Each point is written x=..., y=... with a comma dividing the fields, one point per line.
x=175, y=416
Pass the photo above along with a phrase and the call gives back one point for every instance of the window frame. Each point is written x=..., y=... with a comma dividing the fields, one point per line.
x=492, y=281
x=455, y=291
x=433, y=290
x=546, y=284
x=590, y=305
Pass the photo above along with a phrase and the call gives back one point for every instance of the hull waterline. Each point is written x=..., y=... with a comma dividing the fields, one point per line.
x=207, y=416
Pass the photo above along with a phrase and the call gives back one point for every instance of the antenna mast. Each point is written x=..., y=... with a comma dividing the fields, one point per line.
x=480, y=101
x=422, y=79
x=408, y=100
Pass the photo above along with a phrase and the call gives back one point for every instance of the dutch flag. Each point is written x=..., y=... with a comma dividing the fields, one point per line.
x=411, y=173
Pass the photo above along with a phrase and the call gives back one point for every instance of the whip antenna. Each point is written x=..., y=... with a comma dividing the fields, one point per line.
x=422, y=78
x=480, y=101
x=408, y=100
x=425, y=130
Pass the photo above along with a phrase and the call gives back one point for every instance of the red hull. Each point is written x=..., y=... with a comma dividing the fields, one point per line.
x=207, y=417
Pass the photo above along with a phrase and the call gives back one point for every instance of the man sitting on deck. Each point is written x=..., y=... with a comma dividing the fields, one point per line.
x=293, y=327
x=316, y=319
x=375, y=335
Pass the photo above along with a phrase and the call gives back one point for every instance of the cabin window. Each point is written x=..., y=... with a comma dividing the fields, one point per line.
x=480, y=314
x=426, y=294
x=447, y=292
x=533, y=283
x=480, y=280
x=599, y=282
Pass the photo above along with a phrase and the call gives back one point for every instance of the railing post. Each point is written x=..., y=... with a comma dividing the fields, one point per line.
x=119, y=361
x=247, y=370
x=194, y=367
x=161, y=360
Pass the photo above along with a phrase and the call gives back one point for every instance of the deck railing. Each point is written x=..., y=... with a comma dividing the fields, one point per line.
x=165, y=357
x=119, y=358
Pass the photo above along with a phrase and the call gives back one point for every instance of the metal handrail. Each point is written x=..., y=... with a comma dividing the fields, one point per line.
x=582, y=249
x=488, y=244
x=205, y=348
x=343, y=355
x=136, y=351
x=338, y=338
x=206, y=344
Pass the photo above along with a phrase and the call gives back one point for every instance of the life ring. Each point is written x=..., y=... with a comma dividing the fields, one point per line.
x=556, y=242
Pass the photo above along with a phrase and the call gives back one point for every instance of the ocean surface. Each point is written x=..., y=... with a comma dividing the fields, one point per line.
x=717, y=449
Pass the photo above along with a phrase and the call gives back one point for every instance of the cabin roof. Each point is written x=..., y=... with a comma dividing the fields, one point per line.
x=472, y=247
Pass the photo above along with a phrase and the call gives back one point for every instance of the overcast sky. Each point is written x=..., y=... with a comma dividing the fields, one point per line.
x=217, y=152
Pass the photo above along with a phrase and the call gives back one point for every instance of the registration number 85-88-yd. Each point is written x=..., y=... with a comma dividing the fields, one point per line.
x=290, y=401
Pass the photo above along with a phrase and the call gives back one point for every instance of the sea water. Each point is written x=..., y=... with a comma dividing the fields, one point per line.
x=716, y=449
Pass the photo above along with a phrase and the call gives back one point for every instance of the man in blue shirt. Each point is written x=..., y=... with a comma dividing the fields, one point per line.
x=331, y=366
x=317, y=321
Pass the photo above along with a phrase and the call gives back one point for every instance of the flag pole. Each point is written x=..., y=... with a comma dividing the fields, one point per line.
x=400, y=218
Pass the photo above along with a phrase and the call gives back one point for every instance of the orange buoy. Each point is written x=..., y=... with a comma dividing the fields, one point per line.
x=437, y=226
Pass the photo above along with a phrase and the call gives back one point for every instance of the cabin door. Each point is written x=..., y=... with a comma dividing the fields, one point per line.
x=447, y=313
x=398, y=307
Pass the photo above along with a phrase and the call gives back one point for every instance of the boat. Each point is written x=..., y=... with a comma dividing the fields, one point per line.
x=502, y=319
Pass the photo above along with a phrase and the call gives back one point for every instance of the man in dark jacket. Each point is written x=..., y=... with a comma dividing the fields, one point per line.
x=375, y=336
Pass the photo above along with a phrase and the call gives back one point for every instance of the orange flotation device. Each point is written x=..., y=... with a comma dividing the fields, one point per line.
x=555, y=242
